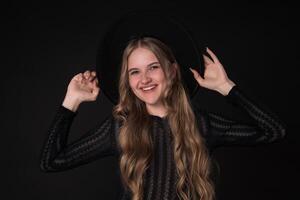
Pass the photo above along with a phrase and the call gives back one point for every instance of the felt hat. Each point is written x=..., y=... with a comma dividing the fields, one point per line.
x=168, y=29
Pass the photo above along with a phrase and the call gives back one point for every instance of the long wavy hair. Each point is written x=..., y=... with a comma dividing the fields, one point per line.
x=193, y=163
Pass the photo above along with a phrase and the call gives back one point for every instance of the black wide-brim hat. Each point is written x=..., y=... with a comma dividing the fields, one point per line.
x=155, y=24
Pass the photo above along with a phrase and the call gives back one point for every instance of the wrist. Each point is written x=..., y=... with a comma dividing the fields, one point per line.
x=71, y=103
x=225, y=88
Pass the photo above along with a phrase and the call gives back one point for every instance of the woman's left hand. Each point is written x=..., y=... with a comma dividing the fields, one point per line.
x=215, y=77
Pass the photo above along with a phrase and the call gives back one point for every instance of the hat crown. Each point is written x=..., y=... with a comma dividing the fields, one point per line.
x=146, y=24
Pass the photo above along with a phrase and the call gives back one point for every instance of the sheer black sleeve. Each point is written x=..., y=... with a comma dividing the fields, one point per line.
x=58, y=155
x=219, y=130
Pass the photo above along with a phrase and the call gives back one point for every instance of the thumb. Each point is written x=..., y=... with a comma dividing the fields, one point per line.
x=95, y=86
x=197, y=76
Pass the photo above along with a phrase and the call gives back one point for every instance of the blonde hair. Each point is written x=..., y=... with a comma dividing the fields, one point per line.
x=193, y=163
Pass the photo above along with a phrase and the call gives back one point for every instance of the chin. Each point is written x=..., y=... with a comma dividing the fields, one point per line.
x=150, y=99
x=152, y=103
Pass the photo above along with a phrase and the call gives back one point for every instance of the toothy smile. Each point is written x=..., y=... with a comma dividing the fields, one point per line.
x=148, y=88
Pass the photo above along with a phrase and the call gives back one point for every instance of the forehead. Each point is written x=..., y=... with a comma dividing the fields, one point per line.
x=141, y=57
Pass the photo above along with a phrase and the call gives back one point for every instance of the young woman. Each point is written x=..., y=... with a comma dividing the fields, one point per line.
x=162, y=140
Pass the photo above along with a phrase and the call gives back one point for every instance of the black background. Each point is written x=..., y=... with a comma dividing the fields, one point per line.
x=46, y=44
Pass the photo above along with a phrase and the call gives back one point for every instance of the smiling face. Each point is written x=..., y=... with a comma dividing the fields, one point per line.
x=146, y=77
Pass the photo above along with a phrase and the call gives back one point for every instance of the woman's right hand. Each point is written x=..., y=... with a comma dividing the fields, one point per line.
x=82, y=87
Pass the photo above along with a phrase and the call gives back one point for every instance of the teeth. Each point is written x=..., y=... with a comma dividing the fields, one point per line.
x=148, y=88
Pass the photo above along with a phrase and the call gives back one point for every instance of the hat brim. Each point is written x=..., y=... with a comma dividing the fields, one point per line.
x=153, y=24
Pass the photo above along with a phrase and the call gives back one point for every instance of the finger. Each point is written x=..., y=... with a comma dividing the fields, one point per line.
x=212, y=55
x=95, y=88
x=94, y=83
x=207, y=60
x=87, y=74
x=80, y=77
x=93, y=76
x=84, y=80
x=197, y=76
x=77, y=77
x=97, y=83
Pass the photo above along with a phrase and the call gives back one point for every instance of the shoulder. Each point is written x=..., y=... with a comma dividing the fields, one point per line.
x=201, y=118
x=203, y=124
x=199, y=112
x=116, y=126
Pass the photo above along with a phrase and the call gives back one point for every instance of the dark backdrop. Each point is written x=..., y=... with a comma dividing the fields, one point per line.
x=47, y=44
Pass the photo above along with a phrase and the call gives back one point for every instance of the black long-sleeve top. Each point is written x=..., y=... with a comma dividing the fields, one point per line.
x=160, y=177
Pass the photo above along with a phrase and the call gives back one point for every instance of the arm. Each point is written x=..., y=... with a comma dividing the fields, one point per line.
x=219, y=130
x=264, y=128
x=57, y=155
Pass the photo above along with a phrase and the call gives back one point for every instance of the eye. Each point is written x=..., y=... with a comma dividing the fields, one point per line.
x=154, y=67
x=133, y=72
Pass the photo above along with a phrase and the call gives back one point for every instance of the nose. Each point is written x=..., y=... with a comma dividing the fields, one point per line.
x=145, y=78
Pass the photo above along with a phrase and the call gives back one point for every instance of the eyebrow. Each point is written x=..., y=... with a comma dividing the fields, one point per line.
x=147, y=66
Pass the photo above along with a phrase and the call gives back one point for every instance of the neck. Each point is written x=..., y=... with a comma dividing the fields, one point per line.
x=157, y=110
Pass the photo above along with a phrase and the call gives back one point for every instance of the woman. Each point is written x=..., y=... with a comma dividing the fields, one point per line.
x=162, y=140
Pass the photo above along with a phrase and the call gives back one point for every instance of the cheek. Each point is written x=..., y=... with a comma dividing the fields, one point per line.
x=161, y=77
x=132, y=82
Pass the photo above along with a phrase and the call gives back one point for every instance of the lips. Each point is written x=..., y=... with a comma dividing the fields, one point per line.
x=148, y=88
